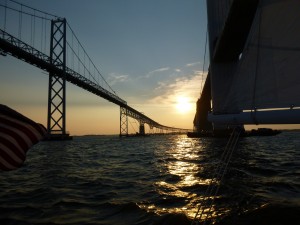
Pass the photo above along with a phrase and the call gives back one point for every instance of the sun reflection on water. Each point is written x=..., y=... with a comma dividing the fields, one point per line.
x=182, y=190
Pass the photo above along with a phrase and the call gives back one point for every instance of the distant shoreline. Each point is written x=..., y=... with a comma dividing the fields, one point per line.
x=93, y=135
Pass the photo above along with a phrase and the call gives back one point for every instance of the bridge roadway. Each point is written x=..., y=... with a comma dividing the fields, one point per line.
x=15, y=47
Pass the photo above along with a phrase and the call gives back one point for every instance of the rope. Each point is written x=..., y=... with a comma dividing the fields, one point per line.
x=206, y=37
x=212, y=189
x=232, y=146
x=257, y=61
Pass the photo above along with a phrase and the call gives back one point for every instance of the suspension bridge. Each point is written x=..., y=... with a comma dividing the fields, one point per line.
x=26, y=32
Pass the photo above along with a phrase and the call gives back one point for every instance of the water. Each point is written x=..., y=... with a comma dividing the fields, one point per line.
x=153, y=180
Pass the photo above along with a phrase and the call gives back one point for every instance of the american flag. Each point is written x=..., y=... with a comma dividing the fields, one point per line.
x=17, y=135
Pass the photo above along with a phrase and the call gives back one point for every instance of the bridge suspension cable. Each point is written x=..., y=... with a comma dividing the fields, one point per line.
x=89, y=62
x=31, y=46
x=29, y=7
x=36, y=21
x=30, y=25
x=23, y=12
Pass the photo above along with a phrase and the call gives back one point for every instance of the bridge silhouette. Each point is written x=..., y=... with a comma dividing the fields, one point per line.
x=67, y=62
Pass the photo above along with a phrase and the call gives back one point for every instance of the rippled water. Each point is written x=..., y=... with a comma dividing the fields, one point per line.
x=153, y=180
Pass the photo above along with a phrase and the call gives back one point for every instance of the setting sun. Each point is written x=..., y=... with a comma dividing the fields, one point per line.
x=183, y=104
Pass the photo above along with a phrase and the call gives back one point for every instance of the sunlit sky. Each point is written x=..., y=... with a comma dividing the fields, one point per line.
x=151, y=52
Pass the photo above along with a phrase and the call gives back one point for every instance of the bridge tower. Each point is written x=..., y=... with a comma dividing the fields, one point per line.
x=123, y=122
x=56, y=124
x=142, y=128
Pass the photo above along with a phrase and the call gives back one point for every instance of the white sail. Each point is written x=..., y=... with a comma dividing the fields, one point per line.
x=268, y=75
x=217, y=13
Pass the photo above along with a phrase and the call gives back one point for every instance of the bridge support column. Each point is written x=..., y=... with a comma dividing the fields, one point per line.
x=142, y=129
x=56, y=124
x=123, y=122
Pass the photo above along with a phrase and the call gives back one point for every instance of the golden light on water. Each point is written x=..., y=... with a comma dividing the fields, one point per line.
x=183, y=189
x=179, y=190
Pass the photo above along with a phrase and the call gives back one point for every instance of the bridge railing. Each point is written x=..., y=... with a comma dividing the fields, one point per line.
x=12, y=45
x=18, y=48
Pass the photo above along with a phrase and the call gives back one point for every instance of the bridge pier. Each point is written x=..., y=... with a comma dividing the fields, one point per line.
x=123, y=122
x=60, y=73
x=56, y=124
x=142, y=129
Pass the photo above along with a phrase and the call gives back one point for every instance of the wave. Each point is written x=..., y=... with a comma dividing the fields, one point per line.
x=93, y=180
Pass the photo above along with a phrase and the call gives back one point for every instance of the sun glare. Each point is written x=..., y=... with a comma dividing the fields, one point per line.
x=183, y=104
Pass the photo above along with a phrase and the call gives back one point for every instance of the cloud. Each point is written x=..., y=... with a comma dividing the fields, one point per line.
x=117, y=78
x=188, y=86
x=192, y=64
x=151, y=73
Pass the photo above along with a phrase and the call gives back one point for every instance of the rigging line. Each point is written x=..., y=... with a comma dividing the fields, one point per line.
x=233, y=145
x=225, y=158
x=257, y=60
x=89, y=58
x=204, y=59
x=49, y=14
x=26, y=13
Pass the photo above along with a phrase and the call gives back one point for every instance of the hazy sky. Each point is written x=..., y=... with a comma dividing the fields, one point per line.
x=151, y=52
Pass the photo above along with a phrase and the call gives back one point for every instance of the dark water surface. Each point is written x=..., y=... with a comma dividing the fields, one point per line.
x=153, y=180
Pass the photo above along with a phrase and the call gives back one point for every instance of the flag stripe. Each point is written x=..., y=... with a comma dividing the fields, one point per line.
x=10, y=157
x=18, y=138
x=13, y=146
x=37, y=129
x=20, y=133
x=19, y=126
x=15, y=162
x=5, y=166
x=17, y=135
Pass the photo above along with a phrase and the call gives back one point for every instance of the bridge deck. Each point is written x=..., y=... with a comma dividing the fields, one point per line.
x=15, y=47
